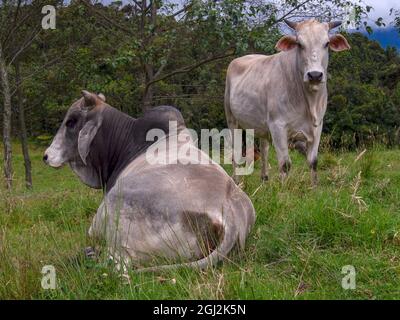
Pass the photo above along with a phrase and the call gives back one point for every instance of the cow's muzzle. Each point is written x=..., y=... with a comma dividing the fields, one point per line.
x=315, y=76
x=52, y=160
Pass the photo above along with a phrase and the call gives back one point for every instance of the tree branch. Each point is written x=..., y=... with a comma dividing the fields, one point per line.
x=27, y=43
x=190, y=67
x=27, y=76
x=185, y=8
x=137, y=3
x=291, y=11
x=88, y=5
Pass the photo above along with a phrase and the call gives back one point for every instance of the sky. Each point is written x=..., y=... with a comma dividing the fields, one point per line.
x=382, y=8
x=387, y=36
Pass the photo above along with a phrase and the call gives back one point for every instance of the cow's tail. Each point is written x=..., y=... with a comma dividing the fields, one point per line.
x=229, y=239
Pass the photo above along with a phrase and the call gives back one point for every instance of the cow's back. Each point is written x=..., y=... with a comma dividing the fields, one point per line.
x=247, y=96
x=240, y=65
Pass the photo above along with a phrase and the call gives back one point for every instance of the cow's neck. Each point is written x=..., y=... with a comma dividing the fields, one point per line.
x=114, y=146
x=315, y=100
x=316, y=103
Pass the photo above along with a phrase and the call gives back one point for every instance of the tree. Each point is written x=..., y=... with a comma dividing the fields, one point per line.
x=363, y=107
x=22, y=125
x=6, y=119
x=159, y=30
x=395, y=12
x=19, y=28
x=13, y=16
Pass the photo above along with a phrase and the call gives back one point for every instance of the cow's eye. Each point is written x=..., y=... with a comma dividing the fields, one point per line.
x=300, y=45
x=70, y=123
x=327, y=44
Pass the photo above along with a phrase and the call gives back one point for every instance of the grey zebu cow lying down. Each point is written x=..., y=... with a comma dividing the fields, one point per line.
x=183, y=212
x=284, y=96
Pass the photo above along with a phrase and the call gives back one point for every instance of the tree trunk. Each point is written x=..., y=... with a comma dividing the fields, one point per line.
x=6, y=121
x=22, y=126
x=147, y=99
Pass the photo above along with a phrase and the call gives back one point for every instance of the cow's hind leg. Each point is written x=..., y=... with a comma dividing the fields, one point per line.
x=280, y=141
x=235, y=176
x=301, y=147
x=264, y=149
x=233, y=124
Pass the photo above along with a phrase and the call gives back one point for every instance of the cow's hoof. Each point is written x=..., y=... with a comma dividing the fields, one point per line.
x=314, y=179
x=284, y=177
x=285, y=167
x=90, y=253
x=125, y=278
x=314, y=184
x=264, y=178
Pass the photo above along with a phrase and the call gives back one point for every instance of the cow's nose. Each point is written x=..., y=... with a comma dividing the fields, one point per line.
x=315, y=76
x=45, y=157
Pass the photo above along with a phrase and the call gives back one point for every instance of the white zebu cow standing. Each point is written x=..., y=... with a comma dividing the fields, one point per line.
x=284, y=95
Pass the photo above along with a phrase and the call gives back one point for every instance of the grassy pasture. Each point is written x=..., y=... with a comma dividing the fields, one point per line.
x=302, y=238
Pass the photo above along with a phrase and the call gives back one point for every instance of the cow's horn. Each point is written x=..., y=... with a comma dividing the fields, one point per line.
x=89, y=99
x=334, y=24
x=102, y=96
x=291, y=24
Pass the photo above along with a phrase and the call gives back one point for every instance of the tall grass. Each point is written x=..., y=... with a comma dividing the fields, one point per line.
x=302, y=237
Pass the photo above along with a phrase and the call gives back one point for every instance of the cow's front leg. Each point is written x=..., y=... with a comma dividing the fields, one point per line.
x=312, y=155
x=98, y=227
x=312, y=159
x=90, y=253
x=96, y=232
x=280, y=141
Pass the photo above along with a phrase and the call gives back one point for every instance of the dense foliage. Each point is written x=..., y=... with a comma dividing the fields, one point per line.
x=100, y=49
x=364, y=89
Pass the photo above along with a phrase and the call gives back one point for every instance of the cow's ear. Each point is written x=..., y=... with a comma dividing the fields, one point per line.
x=286, y=43
x=86, y=136
x=338, y=43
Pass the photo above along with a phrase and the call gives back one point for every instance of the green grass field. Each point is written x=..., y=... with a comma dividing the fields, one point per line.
x=302, y=237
